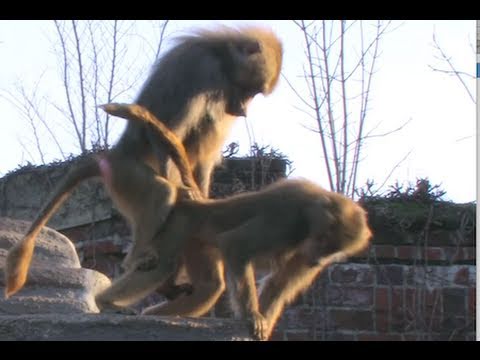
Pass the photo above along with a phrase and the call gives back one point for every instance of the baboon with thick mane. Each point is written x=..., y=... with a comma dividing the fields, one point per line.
x=295, y=223
x=197, y=88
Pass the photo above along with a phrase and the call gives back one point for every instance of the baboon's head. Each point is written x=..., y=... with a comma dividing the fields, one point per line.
x=250, y=56
x=354, y=234
x=270, y=57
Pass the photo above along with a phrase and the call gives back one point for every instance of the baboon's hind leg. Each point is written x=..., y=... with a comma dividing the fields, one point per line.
x=135, y=284
x=205, y=269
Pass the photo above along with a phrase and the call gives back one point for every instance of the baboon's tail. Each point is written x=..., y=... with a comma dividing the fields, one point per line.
x=171, y=141
x=19, y=256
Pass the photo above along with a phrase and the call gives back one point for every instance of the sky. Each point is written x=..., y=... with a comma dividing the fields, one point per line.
x=440, y=133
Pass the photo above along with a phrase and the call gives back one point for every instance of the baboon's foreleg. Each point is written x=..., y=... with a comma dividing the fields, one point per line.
x=283, y=286
x=238, y=247
x=243, y=294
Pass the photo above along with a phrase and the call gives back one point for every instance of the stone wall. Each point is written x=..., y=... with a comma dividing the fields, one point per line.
x=416, y=281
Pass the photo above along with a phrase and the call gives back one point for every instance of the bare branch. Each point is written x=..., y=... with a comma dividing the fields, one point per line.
x=29, y=102
x=25, y=149
x=162, y=33
x=300, y=96
x=29, y=109
x=315, y=100
x=328, y=94
x=344, y=103
x=464, y=138
x=66, y=82
x=82, y=87
x=333, y=92
x=453, y=71
x=395, y=168
x=95, y=60
x=368, y=136
x=364, y=104
x=111, y=79
x=366, y=49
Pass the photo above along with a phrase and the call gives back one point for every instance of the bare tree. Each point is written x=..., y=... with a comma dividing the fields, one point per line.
x=97, y=64
x=463, y=77
x=341, y=61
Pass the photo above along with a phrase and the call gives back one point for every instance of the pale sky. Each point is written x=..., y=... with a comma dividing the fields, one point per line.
x=441, y=133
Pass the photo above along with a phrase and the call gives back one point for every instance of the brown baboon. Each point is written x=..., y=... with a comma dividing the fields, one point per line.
x=197, y=88
x=294, y=223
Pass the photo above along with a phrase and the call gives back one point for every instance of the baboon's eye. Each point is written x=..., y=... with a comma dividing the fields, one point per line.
x=250, y=48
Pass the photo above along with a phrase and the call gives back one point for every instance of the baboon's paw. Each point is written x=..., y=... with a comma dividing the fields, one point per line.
x=259, y=326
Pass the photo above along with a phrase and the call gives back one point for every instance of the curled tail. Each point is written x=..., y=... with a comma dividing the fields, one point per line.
x=20, y=255
x=173, y=144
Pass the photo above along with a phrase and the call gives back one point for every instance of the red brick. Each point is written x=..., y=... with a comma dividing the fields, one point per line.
x=350, y=296
x=352, y=273
x=411, y=302
x=368, y=251
x=408, y=337
x=277, y=335
x=454, y=302
x=452, y=322
x=381, y=321
x=453, y=254
x=472, y=298
x=338, y=336
x=302, y=317
x=471, y=325
x=469, y=253
x=442, y=237
x=76, y=235
x=407, y=252
x=461, y=276
x=471, y=337
x=445, y=336
x=433, y=323
x=385, y=251
x=343, y=319
x=104, y=247
x=397, y=320
x=380, y=337
x=390, y=274
x=433, y=254
x=433, y=298
x=109, y=268
x=381, y=298
x=302, y=335
x=449, y=335
x=417, y=312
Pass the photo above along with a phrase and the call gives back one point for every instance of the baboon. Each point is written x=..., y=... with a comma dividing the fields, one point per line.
x=296, y=224
x=197, y=88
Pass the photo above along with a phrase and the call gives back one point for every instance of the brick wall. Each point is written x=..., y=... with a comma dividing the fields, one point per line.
x=416, y=282
x=354, y=301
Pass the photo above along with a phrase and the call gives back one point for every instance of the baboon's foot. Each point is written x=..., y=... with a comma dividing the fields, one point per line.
x=259, y=326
